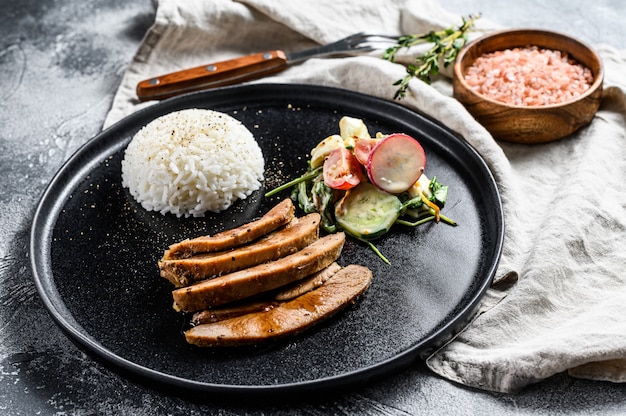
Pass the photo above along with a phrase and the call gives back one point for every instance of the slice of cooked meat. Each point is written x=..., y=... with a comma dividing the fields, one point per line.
x=258, y=279
x=208, y=316
x=278, y=216
x=289, y=318
x=307, y=284
x=298, y=234
x=290, y=291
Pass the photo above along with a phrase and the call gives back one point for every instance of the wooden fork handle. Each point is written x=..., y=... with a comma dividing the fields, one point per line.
x=213, y=75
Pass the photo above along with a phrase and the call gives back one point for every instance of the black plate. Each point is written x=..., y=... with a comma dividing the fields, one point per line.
x=94, y=252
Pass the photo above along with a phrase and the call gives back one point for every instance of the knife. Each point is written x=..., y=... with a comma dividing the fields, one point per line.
x=246, y=68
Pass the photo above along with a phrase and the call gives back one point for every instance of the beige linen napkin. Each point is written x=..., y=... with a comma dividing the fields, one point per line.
x=559, y=299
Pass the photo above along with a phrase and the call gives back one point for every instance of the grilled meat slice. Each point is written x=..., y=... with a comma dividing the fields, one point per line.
x=298, y=234
x=208, y=316
x=307, y=284
x=261, y=278
x=290, y=291
x=278, y=216
x=288, y=318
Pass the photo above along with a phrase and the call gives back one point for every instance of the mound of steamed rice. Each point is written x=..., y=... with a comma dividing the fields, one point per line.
x=192, y=161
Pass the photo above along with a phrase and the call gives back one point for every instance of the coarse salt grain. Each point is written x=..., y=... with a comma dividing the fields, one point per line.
x=529, y=76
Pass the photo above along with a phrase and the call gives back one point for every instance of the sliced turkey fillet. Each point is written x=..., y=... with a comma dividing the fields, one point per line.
x=278, y=216
x=288, y=318
x=261, y=278
x=307, y=284
x=299, y=233
x=219, y=314
x=289, y=292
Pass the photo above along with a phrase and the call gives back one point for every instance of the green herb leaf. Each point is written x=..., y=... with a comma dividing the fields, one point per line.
x=307, y=176
x=439, y=191
x=446, y=45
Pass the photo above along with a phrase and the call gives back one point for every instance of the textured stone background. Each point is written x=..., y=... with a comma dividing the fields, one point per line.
x=60, y=63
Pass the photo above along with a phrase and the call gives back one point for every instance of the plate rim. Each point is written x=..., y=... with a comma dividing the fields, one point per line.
x=41, y=223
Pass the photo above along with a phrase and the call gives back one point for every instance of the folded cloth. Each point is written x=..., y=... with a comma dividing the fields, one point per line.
x=558, y=302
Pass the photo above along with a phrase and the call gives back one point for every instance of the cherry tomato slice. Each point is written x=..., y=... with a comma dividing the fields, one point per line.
x=342, y=170
x=363, y=147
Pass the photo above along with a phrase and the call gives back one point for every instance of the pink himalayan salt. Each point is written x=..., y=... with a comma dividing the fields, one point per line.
x=528, y=76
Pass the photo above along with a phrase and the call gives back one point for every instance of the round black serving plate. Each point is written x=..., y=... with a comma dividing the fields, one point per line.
x=94, y=253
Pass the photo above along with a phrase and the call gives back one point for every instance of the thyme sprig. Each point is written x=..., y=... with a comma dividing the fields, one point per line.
x=446, y=45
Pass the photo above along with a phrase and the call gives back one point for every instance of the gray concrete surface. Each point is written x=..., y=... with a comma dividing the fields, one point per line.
x=60, y=63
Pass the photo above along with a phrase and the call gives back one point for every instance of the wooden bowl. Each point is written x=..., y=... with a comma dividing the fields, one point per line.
x=529, y=124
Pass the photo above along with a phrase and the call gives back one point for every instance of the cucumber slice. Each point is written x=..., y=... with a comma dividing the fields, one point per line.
x=367, y=212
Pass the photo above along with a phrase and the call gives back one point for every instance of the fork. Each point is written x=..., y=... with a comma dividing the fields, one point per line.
x=251, y=66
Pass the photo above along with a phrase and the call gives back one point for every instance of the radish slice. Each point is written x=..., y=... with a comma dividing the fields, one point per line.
x=396, y=163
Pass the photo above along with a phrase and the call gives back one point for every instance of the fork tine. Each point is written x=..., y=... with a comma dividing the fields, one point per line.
x=382, y=37
x=371, y=41
x=365, y=42
x=369, y=37
x=358, y=42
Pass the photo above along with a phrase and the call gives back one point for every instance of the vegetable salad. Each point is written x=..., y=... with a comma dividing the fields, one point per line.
x=364, y=185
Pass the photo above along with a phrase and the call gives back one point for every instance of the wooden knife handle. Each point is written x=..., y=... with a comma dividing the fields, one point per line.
x=213, y=75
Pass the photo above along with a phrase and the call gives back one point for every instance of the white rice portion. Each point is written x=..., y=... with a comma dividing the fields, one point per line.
x=192, y=161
